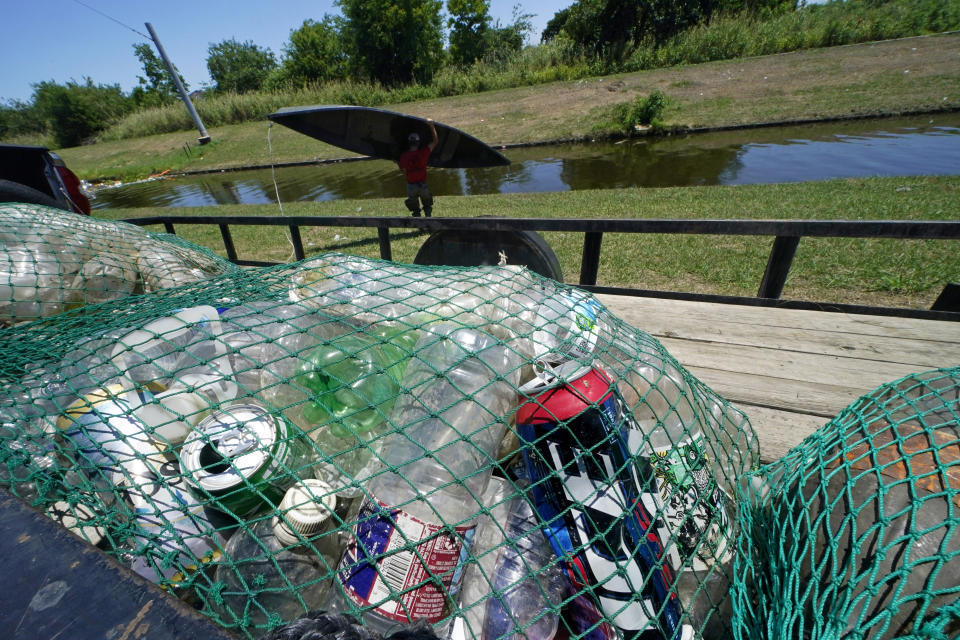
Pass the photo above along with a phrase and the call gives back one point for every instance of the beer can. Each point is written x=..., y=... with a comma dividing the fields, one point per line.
x=694, y=506
x=245, y=457
x=597, y=505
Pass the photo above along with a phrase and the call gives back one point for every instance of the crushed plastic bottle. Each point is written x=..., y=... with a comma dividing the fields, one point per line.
x=419, y=518
x=520, y=575
x=281, y=565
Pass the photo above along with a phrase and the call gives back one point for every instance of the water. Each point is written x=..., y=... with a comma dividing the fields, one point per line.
x=924, y=145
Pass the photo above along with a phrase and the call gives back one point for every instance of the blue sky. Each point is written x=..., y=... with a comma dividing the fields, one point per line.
x=62, y=39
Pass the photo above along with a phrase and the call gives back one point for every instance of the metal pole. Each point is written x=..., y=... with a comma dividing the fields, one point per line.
x=204, y=136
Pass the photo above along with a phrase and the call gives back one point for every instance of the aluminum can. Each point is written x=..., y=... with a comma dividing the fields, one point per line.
x=597, y=505
x=245, y=457
x=103, y=432
x=171, y=532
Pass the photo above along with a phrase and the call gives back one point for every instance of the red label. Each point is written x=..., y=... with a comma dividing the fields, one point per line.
x=393, y=553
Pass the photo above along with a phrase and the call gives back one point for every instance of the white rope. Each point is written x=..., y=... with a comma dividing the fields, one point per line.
x=276, y=190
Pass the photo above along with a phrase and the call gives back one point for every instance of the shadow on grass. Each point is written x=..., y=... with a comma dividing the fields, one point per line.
x=365, y=242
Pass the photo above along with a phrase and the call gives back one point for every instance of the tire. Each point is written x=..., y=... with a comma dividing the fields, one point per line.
x=480, y=247
x=16, y=192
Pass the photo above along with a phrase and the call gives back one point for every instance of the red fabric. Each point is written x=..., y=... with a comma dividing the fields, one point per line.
x=414, y=164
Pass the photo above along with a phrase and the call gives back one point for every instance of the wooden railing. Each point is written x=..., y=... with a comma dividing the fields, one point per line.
x=786, y=234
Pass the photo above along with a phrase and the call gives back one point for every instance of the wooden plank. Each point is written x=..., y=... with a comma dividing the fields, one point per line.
x=790, y=395
x=56, y=585
x=921, y=354
x=635, y=309
x=778, y=430
x=852, y=373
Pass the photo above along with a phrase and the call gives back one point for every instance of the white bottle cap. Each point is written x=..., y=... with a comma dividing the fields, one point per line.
x=305, y=507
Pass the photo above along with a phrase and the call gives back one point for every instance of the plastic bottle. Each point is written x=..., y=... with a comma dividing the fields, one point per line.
x=352, y=383
x=519, y=583
x=260, y=335
x=372, y=291
x=420, y=516
x=281, y=565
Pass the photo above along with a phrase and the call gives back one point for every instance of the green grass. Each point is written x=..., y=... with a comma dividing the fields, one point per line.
x=839, y=82
x=879, y=272
x=724, y=37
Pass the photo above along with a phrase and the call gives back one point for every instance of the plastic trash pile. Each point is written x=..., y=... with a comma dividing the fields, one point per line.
x=52, y=261
x=481, y=450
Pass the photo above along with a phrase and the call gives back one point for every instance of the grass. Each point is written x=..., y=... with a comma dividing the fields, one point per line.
x=878, y=272
x=724, y=37
x=798, y=86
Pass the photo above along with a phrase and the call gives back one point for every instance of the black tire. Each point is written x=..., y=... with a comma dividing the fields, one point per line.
x=477, y=247
x=16, y=192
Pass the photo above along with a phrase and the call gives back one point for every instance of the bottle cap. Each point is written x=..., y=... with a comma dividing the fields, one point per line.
x=305, y=507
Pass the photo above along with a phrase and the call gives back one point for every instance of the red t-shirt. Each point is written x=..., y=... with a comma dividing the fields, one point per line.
x=414, y=164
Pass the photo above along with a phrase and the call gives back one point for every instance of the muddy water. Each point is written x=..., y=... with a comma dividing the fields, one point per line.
x=928, y=145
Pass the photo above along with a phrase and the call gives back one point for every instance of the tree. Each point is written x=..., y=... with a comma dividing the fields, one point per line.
x=555, y=25
x=17, y=118
x=469, y=26
x=239, y=66
x=156, y=87
x=315, y=53
x=510, y=38
x=393, y=42
x=74, y=112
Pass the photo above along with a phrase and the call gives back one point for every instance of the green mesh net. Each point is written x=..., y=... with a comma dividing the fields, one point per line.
x=52, y=260
x=853, y=534
x=483, y=449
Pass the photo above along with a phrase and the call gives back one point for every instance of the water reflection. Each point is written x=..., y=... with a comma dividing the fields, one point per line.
x=902, y=146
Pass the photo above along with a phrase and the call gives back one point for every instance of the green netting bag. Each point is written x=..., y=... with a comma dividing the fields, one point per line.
x=52, y=260
x=483, y=449
x=854, y=533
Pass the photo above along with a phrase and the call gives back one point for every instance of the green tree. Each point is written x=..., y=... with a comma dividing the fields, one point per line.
x=315, y=53
x=393, y=42
x=18, y=117
x=76, y=111
x=156, y=87
x=555, y=25
x=506, y=40
x=469, y=24
x=239, y=66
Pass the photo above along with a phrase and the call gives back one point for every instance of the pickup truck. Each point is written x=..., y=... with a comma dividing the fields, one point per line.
x=36, y=175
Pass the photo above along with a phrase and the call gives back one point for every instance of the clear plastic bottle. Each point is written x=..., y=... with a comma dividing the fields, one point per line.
x=353, y=382
x=517, y=579
x=281, y=565
x=419, y=517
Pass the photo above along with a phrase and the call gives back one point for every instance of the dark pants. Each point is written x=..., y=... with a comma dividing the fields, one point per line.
x=418, y=192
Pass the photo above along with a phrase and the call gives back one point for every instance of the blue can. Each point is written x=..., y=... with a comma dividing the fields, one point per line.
x=596, y=503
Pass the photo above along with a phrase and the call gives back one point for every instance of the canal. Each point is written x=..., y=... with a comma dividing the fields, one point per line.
x=922, y=145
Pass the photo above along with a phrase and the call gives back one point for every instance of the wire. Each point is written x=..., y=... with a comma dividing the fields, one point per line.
x=142, y=35
x=276, y=188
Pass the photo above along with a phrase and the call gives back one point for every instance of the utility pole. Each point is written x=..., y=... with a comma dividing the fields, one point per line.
x=204, y=136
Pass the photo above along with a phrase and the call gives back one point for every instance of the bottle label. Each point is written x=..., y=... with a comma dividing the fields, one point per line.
x=404, y=566
x=572, y=336
x=694, y=506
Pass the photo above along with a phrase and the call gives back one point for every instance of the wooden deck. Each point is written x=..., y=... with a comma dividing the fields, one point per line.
x=791, y=371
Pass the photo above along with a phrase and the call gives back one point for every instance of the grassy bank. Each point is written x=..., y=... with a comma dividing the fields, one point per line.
x=877, y=272
x=910, y=75
x=722, y=37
